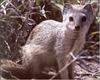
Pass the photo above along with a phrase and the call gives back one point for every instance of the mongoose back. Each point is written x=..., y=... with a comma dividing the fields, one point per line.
x=51, y=41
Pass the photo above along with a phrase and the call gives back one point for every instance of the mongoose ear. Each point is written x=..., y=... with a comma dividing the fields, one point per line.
x=95, y=8
x=66, y=8
x=88, y=7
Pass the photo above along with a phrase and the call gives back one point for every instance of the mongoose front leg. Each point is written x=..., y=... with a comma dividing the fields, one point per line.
x=61, y=63
x=71, y=71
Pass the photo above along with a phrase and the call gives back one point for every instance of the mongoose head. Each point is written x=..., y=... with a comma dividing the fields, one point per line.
x=77, y=17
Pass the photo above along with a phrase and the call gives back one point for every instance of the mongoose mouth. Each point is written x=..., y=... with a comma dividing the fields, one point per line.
x=76, y=30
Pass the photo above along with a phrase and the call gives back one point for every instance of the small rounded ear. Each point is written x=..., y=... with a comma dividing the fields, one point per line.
x=88, y=7
x=95, y=8
x=66, y=7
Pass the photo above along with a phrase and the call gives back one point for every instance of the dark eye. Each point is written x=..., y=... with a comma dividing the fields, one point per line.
x=71, y=19
x=83, y=19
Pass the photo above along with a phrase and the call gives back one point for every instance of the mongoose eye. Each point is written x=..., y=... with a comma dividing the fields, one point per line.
x=71, y=19
x=83, y=19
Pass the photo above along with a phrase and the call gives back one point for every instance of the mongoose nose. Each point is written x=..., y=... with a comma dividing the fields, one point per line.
x=77, y=28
